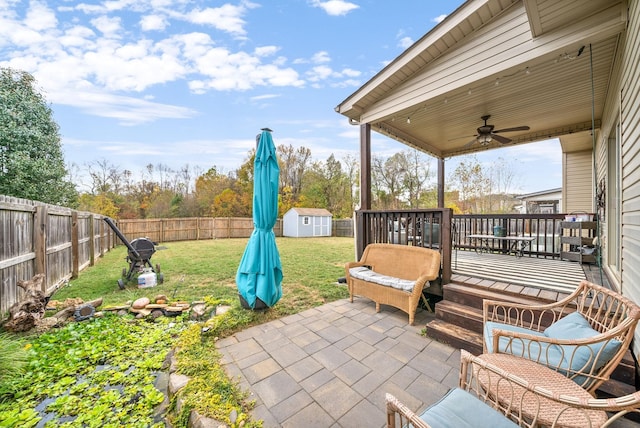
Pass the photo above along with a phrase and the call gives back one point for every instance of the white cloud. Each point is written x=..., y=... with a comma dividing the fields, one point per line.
x=109, y=27
x=264, y=97
x=127, y=110
x=96, y=62
x=153, y=23
x=320, y=72
x=320, y=57
x=439, y=19
x=405, y=42
x=335, y=7
x=40, y=17
x=350, y=72
x=228, y=17
x=266, y=50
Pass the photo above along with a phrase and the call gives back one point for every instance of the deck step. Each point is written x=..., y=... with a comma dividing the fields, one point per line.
x=625, y=371
x=455, y=336
x=473, y=295
x=615, y=388
x=462, y=315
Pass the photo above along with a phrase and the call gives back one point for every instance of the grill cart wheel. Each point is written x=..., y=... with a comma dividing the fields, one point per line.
x=160, y=278
x=121, y=284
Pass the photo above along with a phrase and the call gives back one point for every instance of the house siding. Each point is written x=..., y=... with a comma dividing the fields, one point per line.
x=578, y=182
x=629, y=90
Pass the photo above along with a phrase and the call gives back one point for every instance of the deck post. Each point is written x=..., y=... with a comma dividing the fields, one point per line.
x=440, y=183
x=365, y=166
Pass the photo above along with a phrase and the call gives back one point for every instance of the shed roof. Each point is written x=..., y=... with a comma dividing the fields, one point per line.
x=312, y=211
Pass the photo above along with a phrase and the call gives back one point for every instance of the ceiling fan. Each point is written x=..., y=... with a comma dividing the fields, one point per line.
x=486, y=134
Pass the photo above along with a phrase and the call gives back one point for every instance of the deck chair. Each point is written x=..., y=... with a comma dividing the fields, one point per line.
x=475, y=403
x=583, y=336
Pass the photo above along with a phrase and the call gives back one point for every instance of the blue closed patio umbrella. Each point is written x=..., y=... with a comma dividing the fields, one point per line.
x=259, y=276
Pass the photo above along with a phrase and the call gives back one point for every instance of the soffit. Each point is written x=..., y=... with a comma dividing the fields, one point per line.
x=486, y=61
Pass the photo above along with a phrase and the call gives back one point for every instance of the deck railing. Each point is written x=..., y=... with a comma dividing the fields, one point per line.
x=439, y=229
x=545, y=228
x=430, y=228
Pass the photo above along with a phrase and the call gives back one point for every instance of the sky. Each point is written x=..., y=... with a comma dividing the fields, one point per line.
x=179, y=82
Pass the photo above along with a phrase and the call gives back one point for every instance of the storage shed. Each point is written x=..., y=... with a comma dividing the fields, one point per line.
x=307, y=222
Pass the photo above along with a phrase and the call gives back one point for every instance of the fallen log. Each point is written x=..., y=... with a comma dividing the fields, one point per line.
x=26, y=313
x=79, y=312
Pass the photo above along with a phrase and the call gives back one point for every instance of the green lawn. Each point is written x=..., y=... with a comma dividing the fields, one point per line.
x=193, y=270
x=75, y=368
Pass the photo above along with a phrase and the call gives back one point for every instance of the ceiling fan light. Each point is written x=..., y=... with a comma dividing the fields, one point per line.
x=484, y=139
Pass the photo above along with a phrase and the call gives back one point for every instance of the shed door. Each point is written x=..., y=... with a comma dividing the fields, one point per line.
x=321, y=226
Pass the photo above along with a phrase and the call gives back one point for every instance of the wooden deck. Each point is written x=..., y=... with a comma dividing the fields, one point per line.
x=515, y=274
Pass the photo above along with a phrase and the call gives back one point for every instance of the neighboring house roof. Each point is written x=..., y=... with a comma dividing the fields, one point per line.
x=552, y=193
x=312, y=211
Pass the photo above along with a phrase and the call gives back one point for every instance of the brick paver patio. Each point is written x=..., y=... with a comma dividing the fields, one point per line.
x=331, y=366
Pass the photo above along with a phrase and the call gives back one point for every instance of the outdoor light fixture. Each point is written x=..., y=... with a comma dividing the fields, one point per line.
x=408, y=120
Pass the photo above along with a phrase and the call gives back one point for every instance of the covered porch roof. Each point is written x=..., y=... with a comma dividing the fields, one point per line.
x=541, y=64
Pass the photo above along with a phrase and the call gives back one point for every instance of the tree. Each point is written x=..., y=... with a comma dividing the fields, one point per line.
x=31, y=160
x=387, y=181
x=472, y=183
x=293, y=164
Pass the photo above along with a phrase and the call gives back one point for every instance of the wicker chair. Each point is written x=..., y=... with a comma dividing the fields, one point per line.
x=489, y=396
x=584, y=336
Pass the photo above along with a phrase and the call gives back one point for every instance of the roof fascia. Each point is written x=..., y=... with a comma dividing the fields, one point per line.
x=436, y=33
x=597, y=27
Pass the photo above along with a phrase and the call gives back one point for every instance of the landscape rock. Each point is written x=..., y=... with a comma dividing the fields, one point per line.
x=198, y=310
x=141, y=303
x=177, y=382
x=222, y=309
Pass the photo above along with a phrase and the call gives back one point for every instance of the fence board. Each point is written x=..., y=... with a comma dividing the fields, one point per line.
x=37, y=237
x=42, y=238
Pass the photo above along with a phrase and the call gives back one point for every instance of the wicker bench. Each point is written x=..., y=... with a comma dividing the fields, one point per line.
x=394, y=275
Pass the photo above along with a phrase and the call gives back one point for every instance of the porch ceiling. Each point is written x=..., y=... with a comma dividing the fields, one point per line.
x=526, y=62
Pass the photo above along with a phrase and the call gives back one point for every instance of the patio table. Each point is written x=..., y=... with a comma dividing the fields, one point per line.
x=517, y=244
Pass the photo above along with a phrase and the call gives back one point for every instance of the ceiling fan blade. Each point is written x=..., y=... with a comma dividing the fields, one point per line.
x=463, y=136
x=517, y=128
x=470, y=143
x=501, y=139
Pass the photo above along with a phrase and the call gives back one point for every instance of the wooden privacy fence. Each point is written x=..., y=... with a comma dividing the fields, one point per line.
x=59, y=242
x=196, y=228
x=41, y=238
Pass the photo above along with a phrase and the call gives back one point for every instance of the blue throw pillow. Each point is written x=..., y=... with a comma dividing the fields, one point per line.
x=576, y=326
x=460, y=409
x=539, y=352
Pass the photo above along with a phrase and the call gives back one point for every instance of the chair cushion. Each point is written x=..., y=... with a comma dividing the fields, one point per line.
x=576, y=326
x=460, y=409
x=567, y=359
x=536, y=351
x=366, y=274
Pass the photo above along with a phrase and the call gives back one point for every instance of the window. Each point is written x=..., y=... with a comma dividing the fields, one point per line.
x=306, y=220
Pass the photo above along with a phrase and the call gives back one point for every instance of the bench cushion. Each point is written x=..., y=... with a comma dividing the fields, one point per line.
x=460, y=409
x=366, y=274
